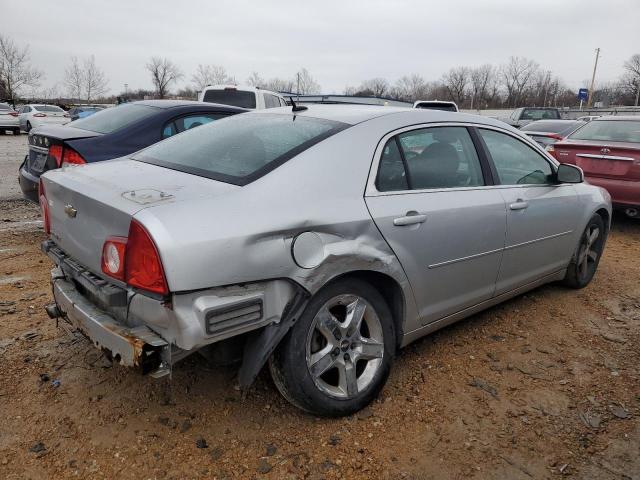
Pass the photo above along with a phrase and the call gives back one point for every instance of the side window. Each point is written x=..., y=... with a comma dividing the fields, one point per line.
x=190, y=121
x=440, y=157
x=271, y=101
x=391, y=172
x=169, y=130
x=516, y=163
x=282, y=102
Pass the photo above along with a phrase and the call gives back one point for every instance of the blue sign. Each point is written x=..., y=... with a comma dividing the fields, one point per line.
x=583, y=94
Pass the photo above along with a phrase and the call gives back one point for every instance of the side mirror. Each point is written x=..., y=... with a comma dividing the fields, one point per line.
x=568, y=173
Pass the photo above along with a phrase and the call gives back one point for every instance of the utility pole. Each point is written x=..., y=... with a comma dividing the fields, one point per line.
x=638, y=91
x=593, y=79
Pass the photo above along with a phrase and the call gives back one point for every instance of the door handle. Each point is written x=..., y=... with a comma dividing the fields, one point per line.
x=519, y=205
x=411, y=218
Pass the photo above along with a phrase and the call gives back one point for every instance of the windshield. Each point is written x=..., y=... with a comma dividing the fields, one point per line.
x=241, y=148
x=48, y=108
x=609, y=131
x=112, y=119
x=236, y=98
x=539, y=114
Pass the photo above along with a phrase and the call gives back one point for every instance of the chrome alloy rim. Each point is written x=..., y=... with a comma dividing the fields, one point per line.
x=588, y=253
x=345, y=346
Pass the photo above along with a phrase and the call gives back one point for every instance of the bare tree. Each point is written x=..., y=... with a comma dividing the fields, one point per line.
x=210, y=75
x=279, y=85
x=15, y=69
x=632, y=77
x=74, y=79
x=163, y=73
x=410, y=88
x=456, y=81
x=375, y=87
x=482, y=79
x=305, y=83
x=95, y=81
x=255, y=80
x=517, y=75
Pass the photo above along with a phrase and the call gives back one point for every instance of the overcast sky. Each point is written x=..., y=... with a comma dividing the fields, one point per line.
x=340, y=42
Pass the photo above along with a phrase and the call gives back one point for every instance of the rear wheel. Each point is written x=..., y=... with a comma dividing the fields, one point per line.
x=28, y=127
x=336, y=358
x=584, y=264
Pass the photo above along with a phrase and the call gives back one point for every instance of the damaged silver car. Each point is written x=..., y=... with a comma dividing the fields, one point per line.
x=318, y=240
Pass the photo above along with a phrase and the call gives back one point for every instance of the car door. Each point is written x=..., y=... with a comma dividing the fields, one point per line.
x=541, y=214
x=431, y=199
x=22, y=118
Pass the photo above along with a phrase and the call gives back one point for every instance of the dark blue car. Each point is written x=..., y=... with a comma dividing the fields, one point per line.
x=111, y=133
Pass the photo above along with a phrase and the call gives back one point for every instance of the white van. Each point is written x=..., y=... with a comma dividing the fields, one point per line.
x=239, y=96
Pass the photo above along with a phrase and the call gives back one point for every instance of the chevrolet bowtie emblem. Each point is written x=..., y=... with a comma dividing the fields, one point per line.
x=70, y=211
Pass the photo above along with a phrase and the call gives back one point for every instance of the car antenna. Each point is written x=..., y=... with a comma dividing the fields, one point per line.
x=297, y=108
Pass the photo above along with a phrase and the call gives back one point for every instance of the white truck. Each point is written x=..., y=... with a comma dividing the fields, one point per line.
x=253, y=98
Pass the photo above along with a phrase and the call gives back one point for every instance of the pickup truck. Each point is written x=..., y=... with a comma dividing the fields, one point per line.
x=522, y=116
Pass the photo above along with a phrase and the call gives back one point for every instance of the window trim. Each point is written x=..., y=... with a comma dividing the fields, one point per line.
x=372, y=191
x=537, y=149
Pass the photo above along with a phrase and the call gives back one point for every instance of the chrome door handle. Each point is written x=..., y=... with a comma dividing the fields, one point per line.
x=411, y=218
x=519, y=205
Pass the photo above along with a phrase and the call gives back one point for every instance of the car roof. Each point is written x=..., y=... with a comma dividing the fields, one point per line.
x=608, y=118
x=166, y=103
x=354, y=114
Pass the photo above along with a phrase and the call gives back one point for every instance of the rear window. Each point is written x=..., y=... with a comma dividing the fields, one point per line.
x=48, y=108
x=112, y=119
x=445, y=107
x=561, y=126
x=236, y=98
x=241, y=148
x=609, y=131
x=539, y=114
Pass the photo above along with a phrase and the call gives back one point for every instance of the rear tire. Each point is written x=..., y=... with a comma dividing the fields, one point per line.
x=336, y=358
x=28, y=127
x=586, y=258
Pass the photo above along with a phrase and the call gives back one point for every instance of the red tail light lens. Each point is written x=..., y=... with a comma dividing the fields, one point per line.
x=39, y=115
x=44, y=207
x=55, y=151
x=113, y=256
x=143, y=267
x=72, y=157
x=14, y=114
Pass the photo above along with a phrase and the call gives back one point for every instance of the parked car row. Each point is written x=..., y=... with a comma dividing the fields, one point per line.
x=317, y=240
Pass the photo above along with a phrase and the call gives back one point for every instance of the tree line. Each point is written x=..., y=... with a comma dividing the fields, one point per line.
x=518, y=82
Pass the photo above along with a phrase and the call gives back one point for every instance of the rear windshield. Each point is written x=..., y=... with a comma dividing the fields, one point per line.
x=561, y=126
x=609, y=131
x=112, y=119
x=539, y=114
x=48, y=108
x=446, y=107
x=241, y=148
x=236, y=98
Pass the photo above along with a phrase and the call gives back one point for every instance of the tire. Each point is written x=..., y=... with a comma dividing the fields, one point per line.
x=2, y=131
x=16, y=131
x=586, y=258
x=28, y=129
x=330, y=363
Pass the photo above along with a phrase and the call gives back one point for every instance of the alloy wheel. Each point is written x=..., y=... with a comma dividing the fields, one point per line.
x=589, y=251
x=345, y=346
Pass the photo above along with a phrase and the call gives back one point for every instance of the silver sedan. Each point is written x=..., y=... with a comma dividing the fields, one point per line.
x=316, y=240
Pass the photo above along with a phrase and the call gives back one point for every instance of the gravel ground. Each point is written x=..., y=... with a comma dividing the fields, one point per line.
x=13, y=148
x=544, y=386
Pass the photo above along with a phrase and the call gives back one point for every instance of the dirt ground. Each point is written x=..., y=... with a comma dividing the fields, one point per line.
x=544, y=386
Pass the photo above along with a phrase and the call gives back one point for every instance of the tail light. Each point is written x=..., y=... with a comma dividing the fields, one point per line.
x=551, y=149
x=14, y=114
x=55, y=151
x=135, y=260
x=556, y=136
x=39, y=115
x=72, y=157
x=44, y=207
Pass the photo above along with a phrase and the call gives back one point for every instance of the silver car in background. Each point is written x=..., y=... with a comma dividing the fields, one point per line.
x=318, y=240
x=35, y=115
x=8, y=119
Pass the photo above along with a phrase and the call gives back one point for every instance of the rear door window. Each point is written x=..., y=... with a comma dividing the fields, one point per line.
x=515, y=162
x=236, y=98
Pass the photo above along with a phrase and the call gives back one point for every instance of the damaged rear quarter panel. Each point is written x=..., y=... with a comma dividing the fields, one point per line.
x=246, y=235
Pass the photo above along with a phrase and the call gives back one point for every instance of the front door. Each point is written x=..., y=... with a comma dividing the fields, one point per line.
x=542, y=216
x=446, y=226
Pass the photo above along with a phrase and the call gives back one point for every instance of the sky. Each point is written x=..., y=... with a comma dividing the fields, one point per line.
x=341, y=43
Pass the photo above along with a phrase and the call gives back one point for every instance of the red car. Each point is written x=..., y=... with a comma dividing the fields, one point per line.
x=608, y=151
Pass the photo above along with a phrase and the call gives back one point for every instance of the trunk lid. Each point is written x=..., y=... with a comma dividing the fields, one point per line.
x=41, y=139
x=89, y=203
x=618, y=160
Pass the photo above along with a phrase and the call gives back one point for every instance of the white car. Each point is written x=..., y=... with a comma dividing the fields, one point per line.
x=253, y=98
x=35, y=115
x=588, y=118
x=8, y=119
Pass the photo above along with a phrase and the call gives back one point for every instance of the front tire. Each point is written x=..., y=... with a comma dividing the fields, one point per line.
x=585, y=261
x=336, y=358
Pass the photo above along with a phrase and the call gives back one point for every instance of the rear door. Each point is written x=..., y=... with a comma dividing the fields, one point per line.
x=541, y=215
x=432, y=201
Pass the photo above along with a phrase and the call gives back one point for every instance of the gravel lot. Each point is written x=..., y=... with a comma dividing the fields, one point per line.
x=544, y=386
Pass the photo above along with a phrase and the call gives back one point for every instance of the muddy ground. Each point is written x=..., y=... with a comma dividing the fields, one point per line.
x=544, y=386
